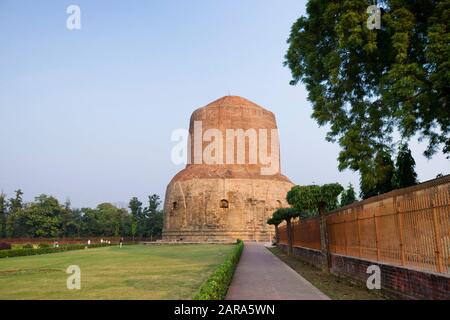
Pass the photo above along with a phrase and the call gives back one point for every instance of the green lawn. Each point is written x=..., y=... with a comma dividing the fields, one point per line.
x=130, y=272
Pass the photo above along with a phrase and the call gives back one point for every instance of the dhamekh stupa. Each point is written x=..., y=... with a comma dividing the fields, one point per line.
x=232, y=183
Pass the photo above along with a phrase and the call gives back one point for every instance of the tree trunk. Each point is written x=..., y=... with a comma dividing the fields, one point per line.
x=324, y=242
x=277, y=234
x=289, y=236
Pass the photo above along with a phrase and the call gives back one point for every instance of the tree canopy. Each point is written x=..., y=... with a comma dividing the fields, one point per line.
x=385, y=176
x=275, y=219
x=379, y=175
x=348, y=196
x=286, y=214
x=313, y=198
x=3, y=208
x=405, y=174
x=369, y=84
x=46, y=217
x=153, y=217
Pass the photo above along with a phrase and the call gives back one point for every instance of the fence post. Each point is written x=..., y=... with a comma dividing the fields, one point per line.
x=293, y=232
x=324, y=241
x=345, y=236
x=359, y=233
x=290, y=239
x=437, y=235
x=400, y=232
x=277, y=235
x=377, y=237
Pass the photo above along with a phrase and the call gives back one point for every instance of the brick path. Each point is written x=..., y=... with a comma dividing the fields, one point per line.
x=260, y=275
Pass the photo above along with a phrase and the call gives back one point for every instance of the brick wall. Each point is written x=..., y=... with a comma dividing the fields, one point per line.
x=311, y=256
x=404, y=282
x=398, y=281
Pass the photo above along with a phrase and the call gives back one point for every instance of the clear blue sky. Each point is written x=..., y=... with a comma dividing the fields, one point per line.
x=88, y=114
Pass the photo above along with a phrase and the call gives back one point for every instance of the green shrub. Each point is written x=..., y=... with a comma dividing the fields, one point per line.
x=44, y=245
x=27, y=246
x=28, y=251
x=216, y=287
x=5, y=246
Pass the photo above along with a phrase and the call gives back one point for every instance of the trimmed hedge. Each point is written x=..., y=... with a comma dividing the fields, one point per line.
x=216, y=287
x=30, y=251
x=5, y=246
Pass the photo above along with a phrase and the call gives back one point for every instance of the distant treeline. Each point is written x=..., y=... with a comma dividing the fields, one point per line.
x=45, y=217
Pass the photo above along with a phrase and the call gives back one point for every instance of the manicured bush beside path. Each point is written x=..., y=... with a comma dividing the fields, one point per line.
x=44, y=250
x=216, y=287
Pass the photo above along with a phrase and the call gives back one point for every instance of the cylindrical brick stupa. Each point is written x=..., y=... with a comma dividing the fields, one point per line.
x=232, y=182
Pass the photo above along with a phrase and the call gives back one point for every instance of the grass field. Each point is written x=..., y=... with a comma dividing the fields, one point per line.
x=130, y=272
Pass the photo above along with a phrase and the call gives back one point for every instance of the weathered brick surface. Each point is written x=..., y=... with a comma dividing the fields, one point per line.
x=408, y=283
x=199, y=217
x=311, y=256
x=401, y=282
x=193, y=210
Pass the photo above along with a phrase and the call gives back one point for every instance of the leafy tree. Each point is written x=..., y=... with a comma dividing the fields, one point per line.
x=348, y=196
x=46, y=217
x=153, y=216
x=405, y=175
x=275, y=220
x=38, y=219
x=127, y=220
x=90, y=224
x=153, y=204
x=110, y=219
x=14, y=226
x=135, y=207
x=366, y=83
x=379, y=176
x=69, y=222
x=314, y=198
x=147, y=222
x=105, y=220
x=15, y=204
x=319, y=199
x=385, y=172
x=133, y=227
x=3, y=213
x=75, y=227
x=287, y=214
x=42, y=216
x=156, y=224
x=138, y=219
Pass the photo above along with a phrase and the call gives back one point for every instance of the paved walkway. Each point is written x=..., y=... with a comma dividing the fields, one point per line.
x=260, y=275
